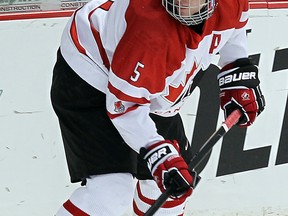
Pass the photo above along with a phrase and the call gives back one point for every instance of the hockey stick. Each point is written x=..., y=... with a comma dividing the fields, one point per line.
x=231, y=120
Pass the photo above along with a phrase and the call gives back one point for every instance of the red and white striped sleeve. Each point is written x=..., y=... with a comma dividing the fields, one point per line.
x=136, y=76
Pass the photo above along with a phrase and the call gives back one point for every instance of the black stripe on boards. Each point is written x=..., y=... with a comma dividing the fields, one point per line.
x=255, y=59
x=282, y=155
x=280, y=60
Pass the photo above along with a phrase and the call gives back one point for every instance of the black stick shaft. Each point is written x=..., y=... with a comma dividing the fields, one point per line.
x=199, y=156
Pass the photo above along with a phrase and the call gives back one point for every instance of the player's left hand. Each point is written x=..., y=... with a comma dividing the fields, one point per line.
x=239, y=89
x=169, y=169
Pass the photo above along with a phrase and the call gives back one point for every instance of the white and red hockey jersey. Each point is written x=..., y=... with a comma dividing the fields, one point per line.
x=144, y=60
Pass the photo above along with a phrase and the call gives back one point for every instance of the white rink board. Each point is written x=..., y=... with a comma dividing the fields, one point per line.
x=34, y=178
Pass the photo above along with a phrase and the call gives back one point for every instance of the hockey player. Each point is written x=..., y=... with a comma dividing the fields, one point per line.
x=123, y=71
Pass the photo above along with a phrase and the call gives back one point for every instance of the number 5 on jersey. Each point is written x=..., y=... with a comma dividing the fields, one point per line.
x=136, y=74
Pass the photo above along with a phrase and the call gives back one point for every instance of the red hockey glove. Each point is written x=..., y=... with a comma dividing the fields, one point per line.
x=239, y=89
x=169, y=169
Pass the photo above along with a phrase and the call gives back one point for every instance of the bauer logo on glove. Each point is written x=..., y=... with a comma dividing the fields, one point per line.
x=157, y=155
x=239, y=89
x=169, y=169
x=237, y=77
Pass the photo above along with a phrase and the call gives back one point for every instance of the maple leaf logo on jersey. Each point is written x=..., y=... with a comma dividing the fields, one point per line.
x=119, y=107
x=174, y=92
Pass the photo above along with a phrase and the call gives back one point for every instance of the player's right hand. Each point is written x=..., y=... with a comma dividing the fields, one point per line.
x=169, y=169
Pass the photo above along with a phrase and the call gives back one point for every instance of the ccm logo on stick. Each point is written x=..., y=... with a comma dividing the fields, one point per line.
x=236, y=77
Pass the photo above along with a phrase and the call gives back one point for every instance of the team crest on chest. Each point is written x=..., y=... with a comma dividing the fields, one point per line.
x=173, y=92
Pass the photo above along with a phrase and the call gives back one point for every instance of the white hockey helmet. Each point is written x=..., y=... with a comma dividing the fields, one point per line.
x=190, y=12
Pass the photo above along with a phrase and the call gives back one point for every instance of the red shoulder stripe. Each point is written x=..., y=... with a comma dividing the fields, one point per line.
x=98, y=40
x=74, y=36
